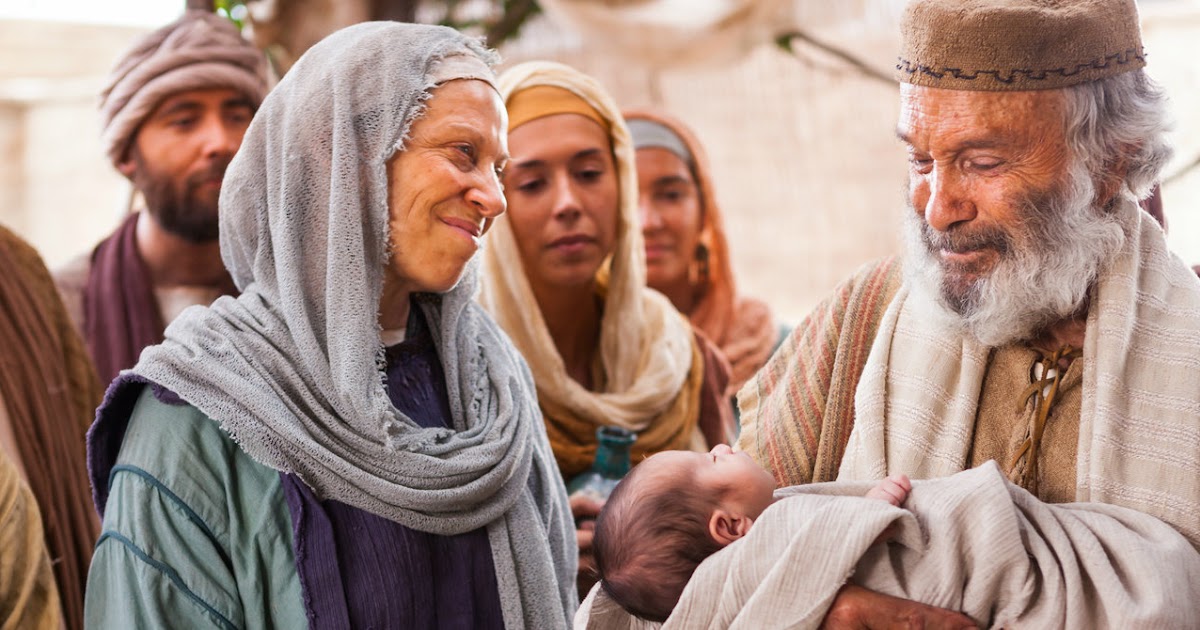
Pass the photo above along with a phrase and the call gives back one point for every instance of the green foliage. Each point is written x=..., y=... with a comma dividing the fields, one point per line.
x=235, y=10
x=495, y=20
x=502, y=20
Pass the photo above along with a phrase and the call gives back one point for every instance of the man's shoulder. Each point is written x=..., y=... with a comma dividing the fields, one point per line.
x=857, y=302
x=878, y=280
x=71, y=279
x=73, y=275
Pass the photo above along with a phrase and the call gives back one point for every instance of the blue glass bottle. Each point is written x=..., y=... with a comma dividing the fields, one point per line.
x=609, y=466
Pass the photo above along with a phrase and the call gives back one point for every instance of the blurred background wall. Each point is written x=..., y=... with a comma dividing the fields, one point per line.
x=808, y=172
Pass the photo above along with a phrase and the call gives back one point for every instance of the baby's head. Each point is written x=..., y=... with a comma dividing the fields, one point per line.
x=670, y=513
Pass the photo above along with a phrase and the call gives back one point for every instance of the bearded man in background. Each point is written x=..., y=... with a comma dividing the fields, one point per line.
x=175, y=109
x=1037, y=318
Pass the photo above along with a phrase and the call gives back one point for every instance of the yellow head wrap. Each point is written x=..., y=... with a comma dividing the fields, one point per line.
x=540, y=101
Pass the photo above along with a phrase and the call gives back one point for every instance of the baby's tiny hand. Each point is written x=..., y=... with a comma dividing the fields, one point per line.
x=894, y=489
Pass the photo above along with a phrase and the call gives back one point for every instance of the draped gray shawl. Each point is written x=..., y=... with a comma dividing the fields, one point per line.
x=291, y=369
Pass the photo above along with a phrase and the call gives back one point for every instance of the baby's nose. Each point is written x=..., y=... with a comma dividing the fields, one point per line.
x=721, y=449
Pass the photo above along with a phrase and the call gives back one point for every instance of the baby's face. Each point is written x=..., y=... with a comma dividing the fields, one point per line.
x=746, y=488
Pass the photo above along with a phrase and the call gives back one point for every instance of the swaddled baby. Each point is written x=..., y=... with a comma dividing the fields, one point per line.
x=677, y=508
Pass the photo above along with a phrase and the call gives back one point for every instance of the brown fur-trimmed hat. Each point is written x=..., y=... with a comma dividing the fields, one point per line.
x=1010, y=45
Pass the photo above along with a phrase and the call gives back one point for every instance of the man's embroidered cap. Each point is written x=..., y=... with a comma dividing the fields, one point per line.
x=1012, y=45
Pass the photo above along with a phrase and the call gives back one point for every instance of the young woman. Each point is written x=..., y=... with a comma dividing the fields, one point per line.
x=687, y=255
x=565, y=278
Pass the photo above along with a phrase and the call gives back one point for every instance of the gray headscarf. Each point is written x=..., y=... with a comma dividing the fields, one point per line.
x=291, y=369
x=650, y=134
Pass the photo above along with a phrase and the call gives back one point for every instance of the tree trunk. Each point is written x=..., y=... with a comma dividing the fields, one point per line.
x=395, y=10
x=287, y=28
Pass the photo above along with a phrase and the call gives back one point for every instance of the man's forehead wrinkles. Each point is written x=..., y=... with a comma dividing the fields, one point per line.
x=963, y=124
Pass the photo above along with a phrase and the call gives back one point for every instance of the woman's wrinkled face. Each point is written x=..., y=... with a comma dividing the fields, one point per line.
x=563, y=198
x=444, y=187
x=671, y=215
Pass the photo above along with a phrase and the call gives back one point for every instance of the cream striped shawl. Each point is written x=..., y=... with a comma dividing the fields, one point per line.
x=972, y=542
x=1139, y=434
x=797, y=412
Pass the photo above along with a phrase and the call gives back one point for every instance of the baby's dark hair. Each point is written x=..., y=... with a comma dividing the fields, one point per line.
x=650, y=537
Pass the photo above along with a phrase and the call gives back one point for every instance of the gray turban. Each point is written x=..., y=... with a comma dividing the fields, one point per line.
x=198, y=51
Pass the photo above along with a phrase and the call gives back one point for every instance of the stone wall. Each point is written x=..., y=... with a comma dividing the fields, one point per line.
x=56, y=187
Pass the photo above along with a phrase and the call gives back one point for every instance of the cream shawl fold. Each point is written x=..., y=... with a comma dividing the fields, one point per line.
x=972, y=542
x=1139, y=434
x=646, y=346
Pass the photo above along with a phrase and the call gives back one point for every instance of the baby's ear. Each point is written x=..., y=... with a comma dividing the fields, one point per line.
x=725, y=526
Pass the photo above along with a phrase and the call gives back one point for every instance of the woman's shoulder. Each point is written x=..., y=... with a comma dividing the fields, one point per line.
x=193, y=527
x=172, y=444
x=163, y=427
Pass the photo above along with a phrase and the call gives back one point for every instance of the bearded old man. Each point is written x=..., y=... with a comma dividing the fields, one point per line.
x=175, y=108
x=1037, y=318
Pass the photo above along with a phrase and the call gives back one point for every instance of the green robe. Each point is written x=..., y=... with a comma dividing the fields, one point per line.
x=196, y=534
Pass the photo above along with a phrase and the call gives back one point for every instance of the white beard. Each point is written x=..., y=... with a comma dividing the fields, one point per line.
x=1043, y=275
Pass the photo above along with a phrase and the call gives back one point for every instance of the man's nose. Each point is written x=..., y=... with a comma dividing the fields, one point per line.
x=948, y=201
x=221, y=138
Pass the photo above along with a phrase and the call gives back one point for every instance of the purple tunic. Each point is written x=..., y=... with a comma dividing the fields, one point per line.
x=359, y=570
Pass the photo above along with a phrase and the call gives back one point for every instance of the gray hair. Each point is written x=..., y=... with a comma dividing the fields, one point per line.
x=1106, y=117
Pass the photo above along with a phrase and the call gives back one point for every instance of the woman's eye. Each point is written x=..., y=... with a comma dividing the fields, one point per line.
x=590, y=174
x=466, y=150
x=530, y=186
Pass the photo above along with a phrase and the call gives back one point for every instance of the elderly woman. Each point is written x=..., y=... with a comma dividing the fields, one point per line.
x=604, y=350
x=352, y=442
x=687, y=256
